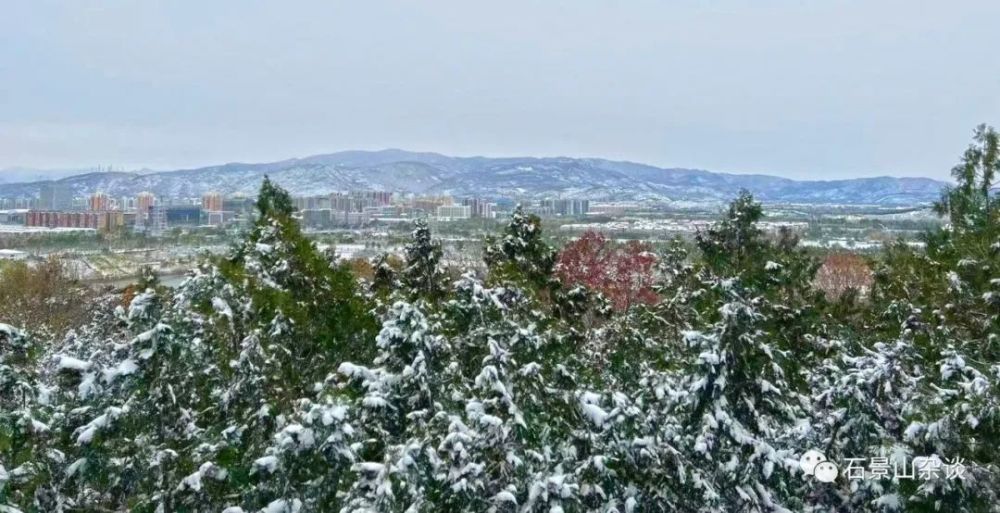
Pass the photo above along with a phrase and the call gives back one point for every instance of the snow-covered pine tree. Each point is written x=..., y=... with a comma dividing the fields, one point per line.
x=400, y=395
x=511, y=447
x=385, y=281
x=30, y=463
x=862, y=396
x=183, y=406
x=942, y=305
x=637, y=459
x=285, y=318
x=469, y=406
x=742, y=396
x=422, y=276
x=520, y=255
x=740, y=408
x=134, y=429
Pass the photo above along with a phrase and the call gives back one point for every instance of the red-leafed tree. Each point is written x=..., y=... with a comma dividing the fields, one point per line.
x=622, y=272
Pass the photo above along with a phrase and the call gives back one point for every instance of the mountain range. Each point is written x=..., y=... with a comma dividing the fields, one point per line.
x=516, y=177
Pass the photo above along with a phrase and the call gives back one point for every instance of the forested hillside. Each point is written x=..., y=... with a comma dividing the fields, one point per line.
x=275, y=380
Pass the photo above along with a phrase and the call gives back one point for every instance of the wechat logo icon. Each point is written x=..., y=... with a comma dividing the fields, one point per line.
x=814, y=463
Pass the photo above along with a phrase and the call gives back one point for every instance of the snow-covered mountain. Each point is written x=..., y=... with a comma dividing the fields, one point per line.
x=525, y=178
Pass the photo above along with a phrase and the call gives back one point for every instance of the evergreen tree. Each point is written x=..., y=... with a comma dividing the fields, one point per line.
x=520, y=256
x=422, y=275
x=386, y=277
x=135, y=426
x=969, y=205
x=288, y=318
x=916, y=383
x=732, y=245
x=741, y=406
x=29, y=466
x=274, y=201
x=185, y=405
x=264, y=382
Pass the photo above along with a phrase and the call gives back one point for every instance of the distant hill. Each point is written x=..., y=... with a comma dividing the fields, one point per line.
x=526, y=178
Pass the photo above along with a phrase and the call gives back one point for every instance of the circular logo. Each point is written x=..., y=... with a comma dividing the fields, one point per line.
x=826, y=472
x=809, y=460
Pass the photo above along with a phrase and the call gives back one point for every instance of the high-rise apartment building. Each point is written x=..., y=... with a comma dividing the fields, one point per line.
x=143, y=202
x=480, y=207
x=211, y=202
x=99, y=202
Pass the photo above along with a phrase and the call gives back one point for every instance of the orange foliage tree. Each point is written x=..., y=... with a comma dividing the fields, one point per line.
x=841, y=272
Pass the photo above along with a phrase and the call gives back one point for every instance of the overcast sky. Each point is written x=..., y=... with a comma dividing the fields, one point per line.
x=804, y=89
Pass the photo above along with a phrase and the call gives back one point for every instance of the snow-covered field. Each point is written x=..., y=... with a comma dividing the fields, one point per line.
x=858, y=245
x=667, y=225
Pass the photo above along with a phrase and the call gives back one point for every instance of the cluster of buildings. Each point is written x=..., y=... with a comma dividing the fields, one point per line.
x=353, y=208
x=357, y=208
x=57, y=207
x=107, y=220
x=563, y=207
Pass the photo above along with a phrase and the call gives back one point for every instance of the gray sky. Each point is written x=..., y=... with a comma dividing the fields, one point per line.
x=804, y=89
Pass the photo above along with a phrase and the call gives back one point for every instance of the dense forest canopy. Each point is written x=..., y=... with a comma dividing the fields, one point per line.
x=605, y=377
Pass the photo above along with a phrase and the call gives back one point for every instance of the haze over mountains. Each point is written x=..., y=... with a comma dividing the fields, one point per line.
x=26, y=174
x=516, y=177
